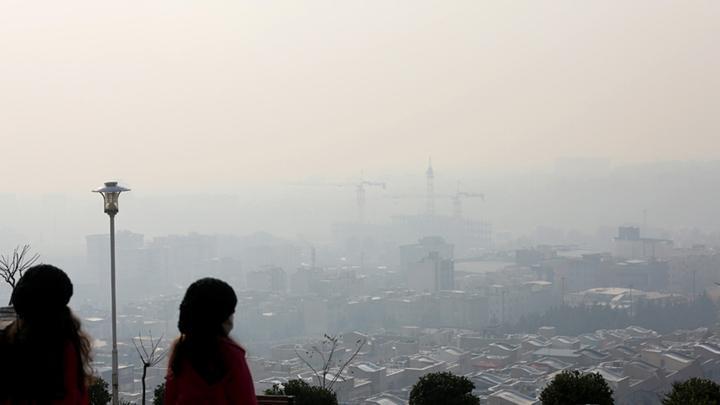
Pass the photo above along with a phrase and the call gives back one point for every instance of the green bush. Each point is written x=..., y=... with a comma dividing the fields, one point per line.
x=574, y=387
x=304, y=393
x=443, y=388
x=99, y=392
x=159, y=395
x=695, y=391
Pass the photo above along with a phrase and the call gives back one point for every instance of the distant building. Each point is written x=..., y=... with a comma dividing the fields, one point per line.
x=98, y=247
x=432, y=274
x=268, y=278
x=133, y=261
x=185, y=256
x=428, y=265
x=593, y=271
x=630, y=246
x=412, y=254
x=471, y=237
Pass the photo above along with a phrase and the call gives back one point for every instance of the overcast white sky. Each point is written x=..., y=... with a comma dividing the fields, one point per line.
x=164, y=93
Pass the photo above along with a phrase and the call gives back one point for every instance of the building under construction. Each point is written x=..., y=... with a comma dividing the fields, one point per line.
x=470, y=237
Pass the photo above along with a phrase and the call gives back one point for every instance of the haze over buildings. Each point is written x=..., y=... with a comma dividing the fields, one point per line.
x=453, y=183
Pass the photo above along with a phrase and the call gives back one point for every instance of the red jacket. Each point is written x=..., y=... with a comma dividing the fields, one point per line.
x=73, y=394
x=236, y=388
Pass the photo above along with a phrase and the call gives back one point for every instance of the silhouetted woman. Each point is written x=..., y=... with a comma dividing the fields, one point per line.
x=44, y=354
x=206, y=366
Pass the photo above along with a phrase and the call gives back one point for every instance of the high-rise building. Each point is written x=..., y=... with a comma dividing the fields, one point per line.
x=428, y=265
x=432, y=274
x=412, y=254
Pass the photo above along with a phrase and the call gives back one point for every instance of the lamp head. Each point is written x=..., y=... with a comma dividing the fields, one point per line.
x=111, y=193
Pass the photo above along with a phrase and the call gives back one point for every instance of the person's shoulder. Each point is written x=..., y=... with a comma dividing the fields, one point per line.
x=232, y=348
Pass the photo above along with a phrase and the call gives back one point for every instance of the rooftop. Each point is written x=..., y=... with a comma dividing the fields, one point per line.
x=514, y=397
x=549, y=352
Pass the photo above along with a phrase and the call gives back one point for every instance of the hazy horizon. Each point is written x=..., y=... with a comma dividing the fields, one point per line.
x=236, y=118
x=181, y=95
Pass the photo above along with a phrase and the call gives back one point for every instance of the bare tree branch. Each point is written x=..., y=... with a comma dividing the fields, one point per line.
x=307, y=363
x=360, y=343
x=327, y=363
x=149, y=359
x=14, y=265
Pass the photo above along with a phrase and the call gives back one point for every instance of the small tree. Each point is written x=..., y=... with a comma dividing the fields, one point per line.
x=695, y=391
x=304, y=393
x=321, y=374
x=13, y=266
x=98, y=392
x=150, y=357
x=574, y=387
x=443, y=388
x=159, y=395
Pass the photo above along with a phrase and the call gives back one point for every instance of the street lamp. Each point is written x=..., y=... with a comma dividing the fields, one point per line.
x=111, y=193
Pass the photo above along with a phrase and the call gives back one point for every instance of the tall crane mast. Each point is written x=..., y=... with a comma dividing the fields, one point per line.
x=430, y=189
x=360, y=191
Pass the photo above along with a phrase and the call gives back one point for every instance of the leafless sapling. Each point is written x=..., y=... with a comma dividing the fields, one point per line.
x=13, y=266
x=321, y=374
x=150, y=357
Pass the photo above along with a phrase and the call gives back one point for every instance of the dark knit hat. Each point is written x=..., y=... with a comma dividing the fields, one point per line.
x=208, y=302
x=43, y=290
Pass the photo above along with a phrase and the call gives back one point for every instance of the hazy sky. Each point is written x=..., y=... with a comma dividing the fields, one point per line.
x=165, y=93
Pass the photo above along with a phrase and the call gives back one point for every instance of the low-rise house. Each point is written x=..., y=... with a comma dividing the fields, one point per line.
x=622, y=352
x=589, y=357
x=564, y=342
x=566, y=355
x=510, y=397
x=377, y=375
x=505, y=350
x=550, y=365
x=385, y=399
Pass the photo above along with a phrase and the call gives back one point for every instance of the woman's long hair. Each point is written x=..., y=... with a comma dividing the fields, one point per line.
x=34, y=346
x=207, y=304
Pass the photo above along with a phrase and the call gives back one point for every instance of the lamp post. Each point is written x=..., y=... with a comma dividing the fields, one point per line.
x=110, y=193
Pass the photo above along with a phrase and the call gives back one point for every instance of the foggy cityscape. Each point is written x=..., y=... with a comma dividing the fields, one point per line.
x=499, y=192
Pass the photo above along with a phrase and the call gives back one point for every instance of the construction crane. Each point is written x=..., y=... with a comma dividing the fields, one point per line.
x=457, y=201
x=455, y=198
x=360, y=191
x=430, y=190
